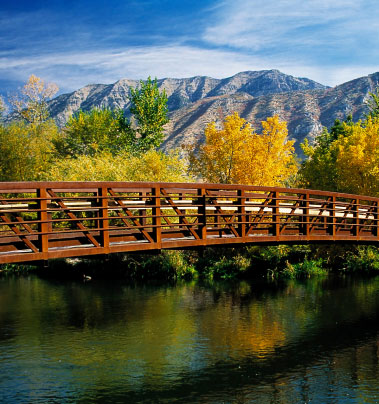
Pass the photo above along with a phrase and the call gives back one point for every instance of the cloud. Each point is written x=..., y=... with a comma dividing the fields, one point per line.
x=72, y=69
x=77, y=69
x=260, y=24
x=324, y=40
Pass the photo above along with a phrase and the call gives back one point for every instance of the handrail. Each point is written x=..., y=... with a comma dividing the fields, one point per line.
x=46, y=220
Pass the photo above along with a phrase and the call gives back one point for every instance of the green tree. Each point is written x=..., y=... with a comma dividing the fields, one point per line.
x=96, y=131
x=373, y=104
x=340, y=128
x=149, y=108
x=318, y=170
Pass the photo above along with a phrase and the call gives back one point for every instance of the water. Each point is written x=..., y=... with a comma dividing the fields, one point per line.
x=298, y=342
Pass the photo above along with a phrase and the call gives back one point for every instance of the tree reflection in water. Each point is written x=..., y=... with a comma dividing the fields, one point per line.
x=205, y=343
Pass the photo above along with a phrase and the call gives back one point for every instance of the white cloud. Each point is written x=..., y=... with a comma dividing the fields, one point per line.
x=73, y=70
x=329, y=41
x=307, y=29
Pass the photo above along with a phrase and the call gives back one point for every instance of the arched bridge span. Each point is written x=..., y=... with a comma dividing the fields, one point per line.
x=44, y=220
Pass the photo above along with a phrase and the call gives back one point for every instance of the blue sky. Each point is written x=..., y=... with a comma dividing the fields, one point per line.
x=74, y=43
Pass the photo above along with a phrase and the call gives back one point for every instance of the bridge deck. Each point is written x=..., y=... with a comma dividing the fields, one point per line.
x=44, y=220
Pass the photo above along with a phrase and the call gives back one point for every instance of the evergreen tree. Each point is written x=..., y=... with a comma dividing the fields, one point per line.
x=373, y=104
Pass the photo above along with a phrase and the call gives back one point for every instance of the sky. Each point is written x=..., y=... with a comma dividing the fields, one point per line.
x=78, y=42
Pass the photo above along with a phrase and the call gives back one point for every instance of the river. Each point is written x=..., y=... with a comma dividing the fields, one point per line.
x=315, y=341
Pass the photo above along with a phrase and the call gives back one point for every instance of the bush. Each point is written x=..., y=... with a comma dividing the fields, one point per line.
x=304, y=269
x=227, y=267
x=364, y=259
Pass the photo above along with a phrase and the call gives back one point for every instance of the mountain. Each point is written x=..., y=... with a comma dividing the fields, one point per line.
x=180, y=92
x=193, y=102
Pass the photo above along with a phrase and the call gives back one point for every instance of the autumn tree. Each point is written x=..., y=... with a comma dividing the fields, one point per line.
x=349, y=163
x=236, y=154
x=149, y=166
x=149, y=108
x=2, y=109
x=26, y=150
x=26, y=145
x=31, y=103
x=357, y=163
x=95, y=131
x=273, y=160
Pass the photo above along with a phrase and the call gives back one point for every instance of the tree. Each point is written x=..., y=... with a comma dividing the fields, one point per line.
x=2, y=109
x=273, y=160
x=219, y=159
x=149, y=108
x=236, y=154
x=96, y=131
x=339, y=129
x=357, y=162
x=348, y=164
x=149, y=166
x=319, y=170
x=373, y=104
x=26, y=150
x=31, y=103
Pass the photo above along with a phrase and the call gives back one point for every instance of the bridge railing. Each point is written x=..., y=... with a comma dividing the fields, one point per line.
x=43, y=220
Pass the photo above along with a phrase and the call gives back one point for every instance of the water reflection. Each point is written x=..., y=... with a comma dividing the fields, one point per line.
x=315, y=341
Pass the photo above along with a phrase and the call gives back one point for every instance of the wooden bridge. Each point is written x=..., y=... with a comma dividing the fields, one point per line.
x=44, y=220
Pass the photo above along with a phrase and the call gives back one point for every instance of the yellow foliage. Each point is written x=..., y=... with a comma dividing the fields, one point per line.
x=26, y=150
x=349, y=163
x=31, y=103
x=236, y=154
x=357, y=161
x=150, y=166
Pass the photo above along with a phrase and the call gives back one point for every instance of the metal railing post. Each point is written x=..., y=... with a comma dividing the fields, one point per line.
x=104, y=217
x=307, y=218
x=356, y=217
x=156, y=210
x=202, y=213
x=43, y=225
x=142, y=212
x=275, y=214
x=332, y=217
x=241, y=213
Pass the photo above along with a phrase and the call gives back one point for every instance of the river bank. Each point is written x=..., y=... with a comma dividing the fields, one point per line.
x=276, y=262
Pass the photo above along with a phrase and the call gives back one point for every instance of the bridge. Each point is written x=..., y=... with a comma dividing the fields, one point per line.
x=46, y=220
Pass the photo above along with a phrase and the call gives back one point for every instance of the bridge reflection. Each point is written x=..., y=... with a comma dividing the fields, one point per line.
x=44, y=220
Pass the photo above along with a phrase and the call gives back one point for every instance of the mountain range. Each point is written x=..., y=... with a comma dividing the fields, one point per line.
x=193, y=102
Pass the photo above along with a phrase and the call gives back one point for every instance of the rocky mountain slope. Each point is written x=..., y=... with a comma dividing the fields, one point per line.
x=307, y=106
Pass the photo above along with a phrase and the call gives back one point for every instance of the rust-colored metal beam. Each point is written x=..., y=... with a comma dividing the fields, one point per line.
x=37, y=218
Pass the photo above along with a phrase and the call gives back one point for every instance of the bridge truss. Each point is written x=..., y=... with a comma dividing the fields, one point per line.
x=45, y=220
